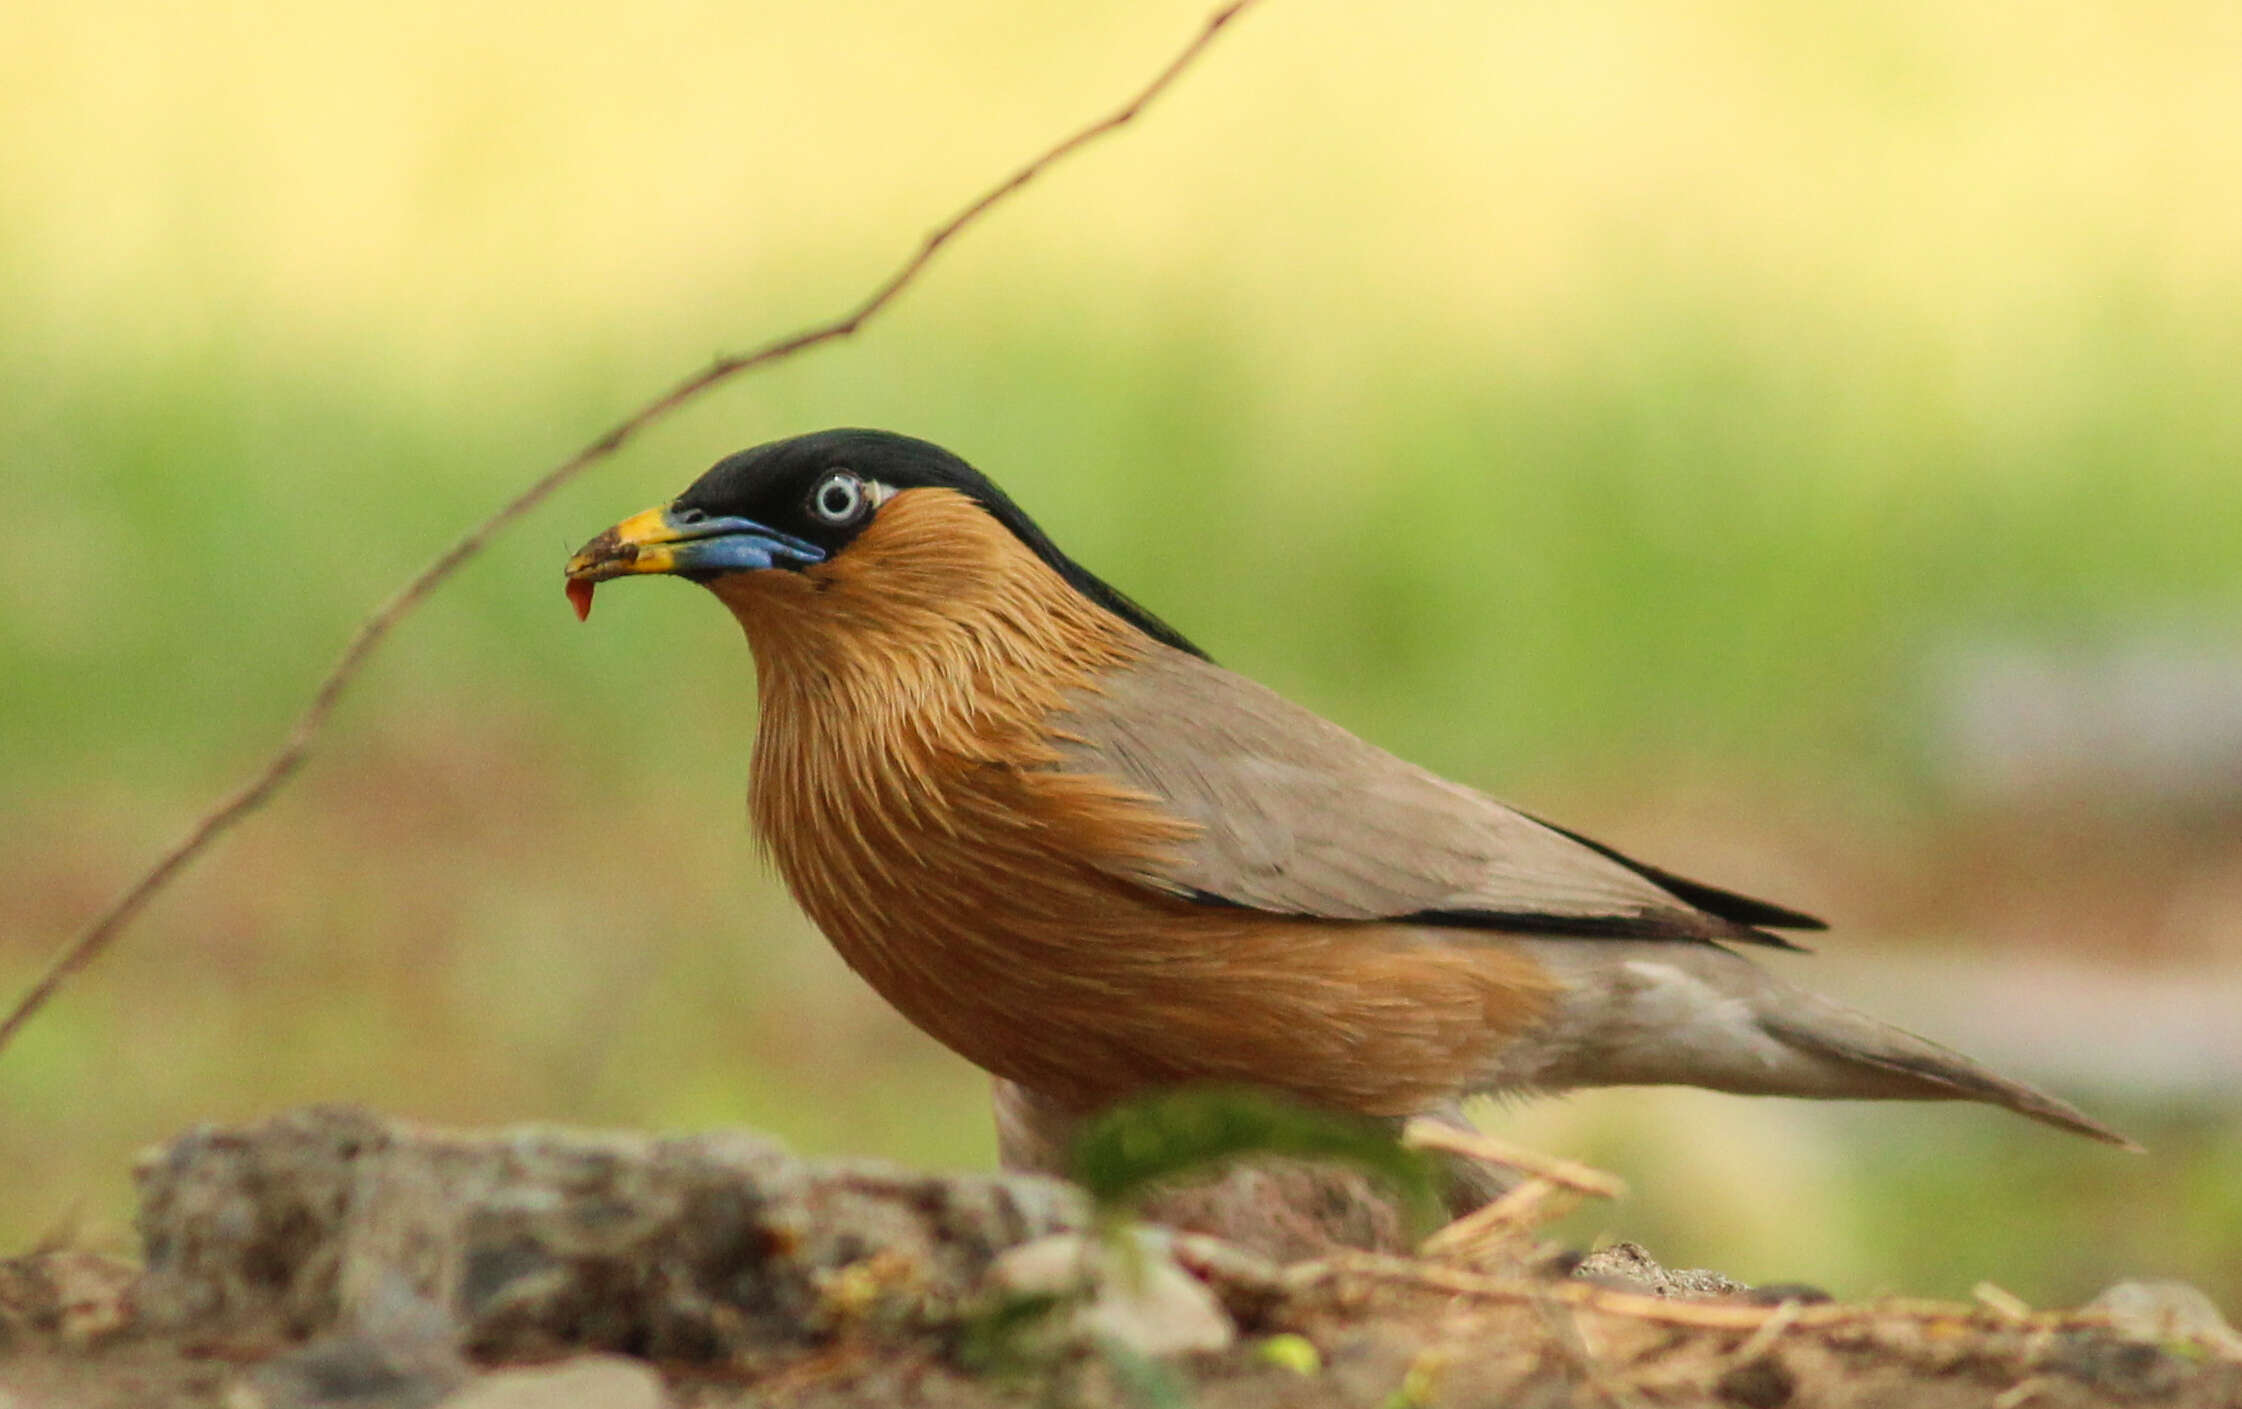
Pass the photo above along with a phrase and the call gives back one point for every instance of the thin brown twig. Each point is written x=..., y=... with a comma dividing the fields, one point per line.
x=1643, y=1306
x=105, y=927
x=1423, y=1134
x=1496, y=1227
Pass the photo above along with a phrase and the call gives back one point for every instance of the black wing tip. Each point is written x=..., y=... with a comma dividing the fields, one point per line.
x=1637, y=924
x=1741, y=911
x=1679, y=924
x=1753, y=934
x=1760, y=914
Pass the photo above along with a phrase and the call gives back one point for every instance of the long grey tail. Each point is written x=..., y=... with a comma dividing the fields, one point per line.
x=1655, y=1013
x=1907, y=1067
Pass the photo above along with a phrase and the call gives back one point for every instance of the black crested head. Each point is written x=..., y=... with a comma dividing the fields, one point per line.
x=824, y=486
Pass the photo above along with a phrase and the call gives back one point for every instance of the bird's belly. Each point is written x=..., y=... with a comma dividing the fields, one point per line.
x=1088, y=993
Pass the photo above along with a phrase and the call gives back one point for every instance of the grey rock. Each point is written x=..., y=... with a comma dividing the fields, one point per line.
x=1626, y=1267
x=1135, y=1295
x=589, y=1382
x=2164, y=1311
x=331, y=1221
x=355, y=1372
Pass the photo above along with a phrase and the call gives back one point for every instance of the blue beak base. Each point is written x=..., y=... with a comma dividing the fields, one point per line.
x=704, y=548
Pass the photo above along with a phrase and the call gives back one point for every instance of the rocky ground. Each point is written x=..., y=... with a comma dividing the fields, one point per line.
x=329, y=1257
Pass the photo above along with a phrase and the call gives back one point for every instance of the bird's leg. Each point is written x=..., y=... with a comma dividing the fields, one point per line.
x=1032, y=1130
x=1472, y=1184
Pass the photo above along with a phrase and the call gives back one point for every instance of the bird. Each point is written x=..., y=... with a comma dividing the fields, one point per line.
x=1057, y=837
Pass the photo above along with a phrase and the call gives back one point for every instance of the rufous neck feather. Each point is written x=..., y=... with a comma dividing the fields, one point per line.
x=934, y=609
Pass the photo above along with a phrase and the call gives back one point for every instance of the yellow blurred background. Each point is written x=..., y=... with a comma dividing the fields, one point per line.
x=1798, y=444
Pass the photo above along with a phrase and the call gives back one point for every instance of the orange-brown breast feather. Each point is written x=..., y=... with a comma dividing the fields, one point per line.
x=912, y=784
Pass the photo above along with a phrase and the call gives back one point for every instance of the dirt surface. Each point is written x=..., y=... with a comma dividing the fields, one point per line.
x=331, y=1258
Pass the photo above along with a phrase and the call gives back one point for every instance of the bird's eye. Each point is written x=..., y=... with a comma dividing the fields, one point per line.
x=688, y=515
x=838, y=499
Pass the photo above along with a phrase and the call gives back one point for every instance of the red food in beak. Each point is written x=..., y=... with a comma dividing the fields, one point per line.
x=580, y=597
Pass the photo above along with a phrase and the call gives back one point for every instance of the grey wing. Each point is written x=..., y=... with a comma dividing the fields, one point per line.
x=1299, y=817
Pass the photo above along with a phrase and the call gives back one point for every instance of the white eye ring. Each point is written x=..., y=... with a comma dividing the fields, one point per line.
x=839, y=498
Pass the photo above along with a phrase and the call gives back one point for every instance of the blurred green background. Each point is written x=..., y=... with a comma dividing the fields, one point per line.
x=1799, y=444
